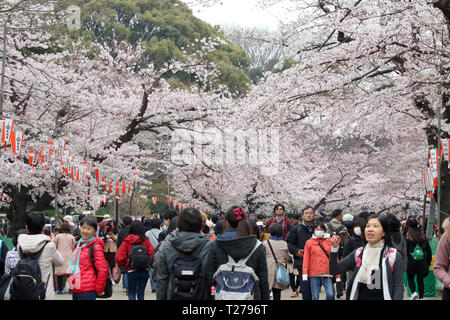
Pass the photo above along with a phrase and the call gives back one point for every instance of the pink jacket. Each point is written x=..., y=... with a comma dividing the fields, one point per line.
x=442, y=262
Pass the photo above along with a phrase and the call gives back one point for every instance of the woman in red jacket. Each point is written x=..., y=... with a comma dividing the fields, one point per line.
x=136, y=261
x=316, y=262
x=84, y=281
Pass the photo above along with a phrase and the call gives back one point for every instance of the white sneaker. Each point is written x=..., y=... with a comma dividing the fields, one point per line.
x=414, y=296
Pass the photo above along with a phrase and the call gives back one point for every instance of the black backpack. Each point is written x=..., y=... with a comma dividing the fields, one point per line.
x=26, y=282
x=139, y=258
x=108, y=291
x=188, y=282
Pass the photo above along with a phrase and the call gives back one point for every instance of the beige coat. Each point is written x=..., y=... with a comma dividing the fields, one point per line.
x=65, y=244
x=111, y=243
x=282, y=253
x=50, y=256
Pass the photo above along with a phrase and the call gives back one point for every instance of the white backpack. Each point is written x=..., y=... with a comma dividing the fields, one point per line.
x=236, y=280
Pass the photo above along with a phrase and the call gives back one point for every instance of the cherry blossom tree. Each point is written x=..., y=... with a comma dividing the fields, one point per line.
x=61, y=93
x=357, y=113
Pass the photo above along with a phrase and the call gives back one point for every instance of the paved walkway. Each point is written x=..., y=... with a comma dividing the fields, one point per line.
x=118, y=294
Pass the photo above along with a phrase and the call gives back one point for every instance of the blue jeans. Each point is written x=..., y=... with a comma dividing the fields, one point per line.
x=152, y=282
x=125, y=280
x=137, y=280
x=84, y=296
x=316, y=283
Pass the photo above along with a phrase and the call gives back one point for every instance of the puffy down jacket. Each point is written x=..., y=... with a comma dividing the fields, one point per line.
x=123, y=252
x=87, y=280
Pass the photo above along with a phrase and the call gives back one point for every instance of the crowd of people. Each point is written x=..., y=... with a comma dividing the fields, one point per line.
x=192, y=256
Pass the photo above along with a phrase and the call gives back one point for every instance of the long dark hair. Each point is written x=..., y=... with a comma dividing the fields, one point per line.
x=245, y=229
x=415, y=232
x=137, y=228
x=361, y=223
x=408, y=223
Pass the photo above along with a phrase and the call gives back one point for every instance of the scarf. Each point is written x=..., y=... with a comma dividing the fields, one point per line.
x=308, y=227
x=371, y=261
x=275, y=238
x=75, y=267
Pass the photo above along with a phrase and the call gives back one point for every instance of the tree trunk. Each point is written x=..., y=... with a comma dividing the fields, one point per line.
x=17, y=214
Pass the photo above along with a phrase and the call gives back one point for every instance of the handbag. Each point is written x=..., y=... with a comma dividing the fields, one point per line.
x=116, y=273
x=282, y=275
x=108, y=289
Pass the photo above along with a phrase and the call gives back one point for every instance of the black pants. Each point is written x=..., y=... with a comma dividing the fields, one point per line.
x=418, y=270
x=446, y=294
x=60, y=282
x=276, y=294
x=339, y=287
x=295, y=281
x=305, y=286
x=305, y=289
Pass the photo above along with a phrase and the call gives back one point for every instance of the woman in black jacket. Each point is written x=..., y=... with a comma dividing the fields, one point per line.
x=238, y=242
x=419, y=258
x=356, y=236
x=378, y=266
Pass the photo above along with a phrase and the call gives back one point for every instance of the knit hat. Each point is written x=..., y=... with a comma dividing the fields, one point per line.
x=347, y=217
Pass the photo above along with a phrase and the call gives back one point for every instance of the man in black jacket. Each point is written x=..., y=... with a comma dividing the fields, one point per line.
x=296, y=239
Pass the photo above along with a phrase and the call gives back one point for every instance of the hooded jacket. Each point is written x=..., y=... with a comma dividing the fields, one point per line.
x=90, y=281
x=238, y=248
x=50, y=256
x=180, y=241
x=123, y=253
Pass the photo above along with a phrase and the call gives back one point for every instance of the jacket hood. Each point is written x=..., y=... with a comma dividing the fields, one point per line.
x=227, y=235
x=32, y=243
x=133, y=239
x=237, y=248
x=185, y=240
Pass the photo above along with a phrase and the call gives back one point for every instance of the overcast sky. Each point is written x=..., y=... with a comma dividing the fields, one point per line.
x=240, y=12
